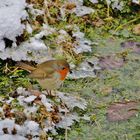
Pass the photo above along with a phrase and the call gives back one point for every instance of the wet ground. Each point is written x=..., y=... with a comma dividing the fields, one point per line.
x=118, y=83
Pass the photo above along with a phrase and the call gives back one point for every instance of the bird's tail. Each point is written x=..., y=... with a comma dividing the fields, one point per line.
x=25, y=66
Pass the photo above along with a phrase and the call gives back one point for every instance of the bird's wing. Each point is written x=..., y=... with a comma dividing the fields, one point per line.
x=40, y=73
x=25, y=66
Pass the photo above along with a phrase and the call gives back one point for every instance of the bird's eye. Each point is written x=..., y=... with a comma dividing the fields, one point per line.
x=63, y=68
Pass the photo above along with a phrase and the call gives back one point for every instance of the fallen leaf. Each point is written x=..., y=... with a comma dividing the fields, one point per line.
x=134, y=46
x=70, y=6
x=111, y=62
x=106, y=90
x=98, y=23
x=20, y=117
x=136, y=29
x=122, y=110
x=7, y=111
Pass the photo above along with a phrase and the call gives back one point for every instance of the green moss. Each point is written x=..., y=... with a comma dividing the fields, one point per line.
x=125, y=83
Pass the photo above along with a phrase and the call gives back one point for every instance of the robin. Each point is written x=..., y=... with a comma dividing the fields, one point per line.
x=49, y=74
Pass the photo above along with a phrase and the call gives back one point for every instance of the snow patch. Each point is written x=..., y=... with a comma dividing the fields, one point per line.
x=29, y=99
x=72, y=101
x=81, y=10
x=12, y=137
x=87, y=68
x=8, y=124
x=67, y=121
x=46, y=103
x=31, y=126
x=11, y=14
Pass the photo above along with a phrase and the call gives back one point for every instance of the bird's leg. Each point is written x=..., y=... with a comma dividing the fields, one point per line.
x=50, y=93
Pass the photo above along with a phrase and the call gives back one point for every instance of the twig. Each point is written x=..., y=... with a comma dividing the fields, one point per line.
x=108, y=15
x=66, y=134
x=6, y=69
x=66, y=130
x=98, y=125
x=46, y=11
x=121, y=26
x=14, y=70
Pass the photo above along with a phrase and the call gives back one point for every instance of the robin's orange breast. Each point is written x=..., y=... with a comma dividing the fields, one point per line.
x=63, y=73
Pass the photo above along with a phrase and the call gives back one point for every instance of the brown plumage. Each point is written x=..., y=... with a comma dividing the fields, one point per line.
x=49, y=74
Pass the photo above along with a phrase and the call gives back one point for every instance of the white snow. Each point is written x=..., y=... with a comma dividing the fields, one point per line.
x=20, y=90
x=30, y=110
x=10, y=100
x=11, y=13
x=67, y=121
x=29, y=50
x=29, y=99
x=85, y=117
x=46, y=30
x=82, y=44
x=46, y=103
x=34, y=11
x=77, y=2
x=29, y=28
x=49, y=138
x=32, y=49
x=12, y=137
x=83, y=10
x=77, y=74
x=72, y=101
x=7, y=123
x=2, y=45
x=118, y=5
x=80, y=10
x=136, y=1
x=32, y=126
x=85, y=69
x=1, y=109
x=49, y=125
x=29, y=127
x=37, y=44
x=94, y=1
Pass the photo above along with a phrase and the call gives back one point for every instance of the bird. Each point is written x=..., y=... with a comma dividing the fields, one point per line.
x=49, y=74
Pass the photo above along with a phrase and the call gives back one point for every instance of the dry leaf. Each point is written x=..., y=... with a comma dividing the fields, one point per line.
x=106, y=90
x=136, y=29
x=134, y=46
x=122, y=110
x=70, y=6
x=111, y=62
x=20, y=117
x=98, y=22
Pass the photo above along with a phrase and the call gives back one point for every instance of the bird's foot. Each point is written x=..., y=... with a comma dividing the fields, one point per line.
x=51, y=93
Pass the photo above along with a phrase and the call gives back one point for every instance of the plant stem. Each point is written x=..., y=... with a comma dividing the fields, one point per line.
x=107, y=9
x=121, y=26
